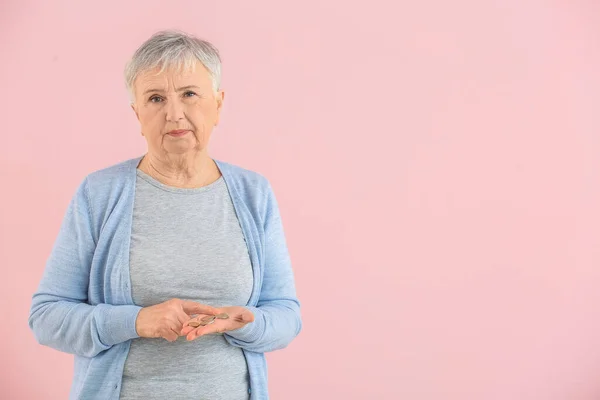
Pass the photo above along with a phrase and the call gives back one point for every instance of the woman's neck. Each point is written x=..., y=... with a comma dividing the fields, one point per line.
x=183, y=172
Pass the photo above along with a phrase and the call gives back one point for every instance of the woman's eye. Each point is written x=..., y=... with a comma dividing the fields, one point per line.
x=189, y=94
x=155, y=99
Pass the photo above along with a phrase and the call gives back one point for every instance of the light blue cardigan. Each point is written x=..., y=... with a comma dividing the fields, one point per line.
x=83, y=304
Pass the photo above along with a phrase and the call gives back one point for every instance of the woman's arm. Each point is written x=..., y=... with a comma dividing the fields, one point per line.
x=60, y=316
x=277, y=319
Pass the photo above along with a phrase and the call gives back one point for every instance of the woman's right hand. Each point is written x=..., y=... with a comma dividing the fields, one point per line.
x=166, y=319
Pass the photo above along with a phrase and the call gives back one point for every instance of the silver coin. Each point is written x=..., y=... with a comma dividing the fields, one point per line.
x=208, y=318
x=222, y=316
x=204, y=323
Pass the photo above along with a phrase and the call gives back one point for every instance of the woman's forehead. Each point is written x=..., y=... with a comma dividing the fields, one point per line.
x=179, y=75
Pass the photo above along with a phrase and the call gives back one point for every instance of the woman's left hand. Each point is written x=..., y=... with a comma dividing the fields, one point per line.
x=238, y=317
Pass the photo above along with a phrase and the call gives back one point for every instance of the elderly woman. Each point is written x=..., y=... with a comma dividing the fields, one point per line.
x=170, y=277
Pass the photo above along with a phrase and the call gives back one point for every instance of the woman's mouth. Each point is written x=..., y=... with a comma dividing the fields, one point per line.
x=178, y=132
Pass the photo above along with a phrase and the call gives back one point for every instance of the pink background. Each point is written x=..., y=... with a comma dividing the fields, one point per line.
x=437, y=165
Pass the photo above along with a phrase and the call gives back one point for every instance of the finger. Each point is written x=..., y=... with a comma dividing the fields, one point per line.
x=244, y=317
x=186, y=329
x=192, y=307
x=216, y=327
x=170, y=335
x=176, y=332
x=194, y=334
x=183, y=318
x=247, y=316
x=197, y=318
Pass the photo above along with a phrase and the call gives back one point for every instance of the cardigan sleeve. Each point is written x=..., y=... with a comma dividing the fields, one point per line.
x=277, y=318
x=60, y=316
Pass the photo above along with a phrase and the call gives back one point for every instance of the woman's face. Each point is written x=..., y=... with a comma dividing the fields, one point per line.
x=177, y=110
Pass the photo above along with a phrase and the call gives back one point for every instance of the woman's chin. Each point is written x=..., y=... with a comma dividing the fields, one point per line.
x=181, y=147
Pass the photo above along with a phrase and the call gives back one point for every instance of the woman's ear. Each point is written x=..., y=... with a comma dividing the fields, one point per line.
x=134, y=108
x=219, y=97
x=135, y=111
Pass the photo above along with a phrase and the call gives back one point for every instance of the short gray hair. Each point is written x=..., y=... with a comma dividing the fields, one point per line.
x=172, y=48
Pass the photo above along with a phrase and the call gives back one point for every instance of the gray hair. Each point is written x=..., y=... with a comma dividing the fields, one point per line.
x=172, y=48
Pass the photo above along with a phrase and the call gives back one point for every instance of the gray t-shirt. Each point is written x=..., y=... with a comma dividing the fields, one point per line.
x=187, y=244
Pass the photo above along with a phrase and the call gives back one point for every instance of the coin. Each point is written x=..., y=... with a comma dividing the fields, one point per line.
x=222, y=316
x=208, y=319
x=194, y=324
x=208, y=322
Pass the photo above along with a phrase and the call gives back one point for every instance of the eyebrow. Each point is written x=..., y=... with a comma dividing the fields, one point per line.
x=178, y=89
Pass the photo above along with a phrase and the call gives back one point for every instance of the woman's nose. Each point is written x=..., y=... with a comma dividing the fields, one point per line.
x=174, y=111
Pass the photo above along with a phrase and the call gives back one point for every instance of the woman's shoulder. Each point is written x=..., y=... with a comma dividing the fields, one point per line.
x=111, y=181
x=243, y=178
x=114, y=172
